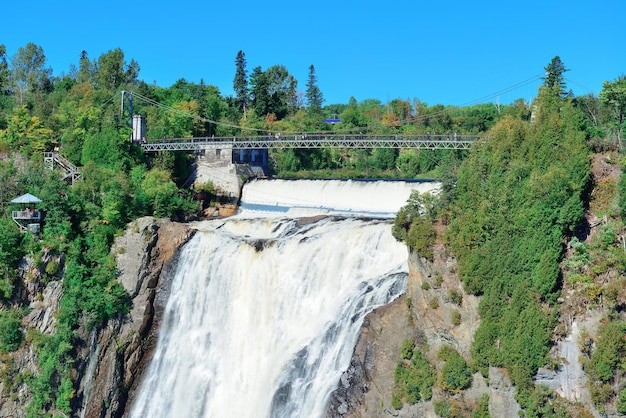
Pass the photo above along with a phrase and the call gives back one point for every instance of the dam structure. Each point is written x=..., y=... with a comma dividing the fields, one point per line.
x=266, y=307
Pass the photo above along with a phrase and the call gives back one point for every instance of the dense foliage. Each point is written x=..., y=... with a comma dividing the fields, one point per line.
x=516, y=196
x=455, y=373
x=414, y=376
x=413, y=224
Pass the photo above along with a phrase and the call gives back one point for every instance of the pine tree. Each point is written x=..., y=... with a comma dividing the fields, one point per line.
x=554, y=78
x=86, y=69
x=313, y=94
x=240, y=83
x=4, y=71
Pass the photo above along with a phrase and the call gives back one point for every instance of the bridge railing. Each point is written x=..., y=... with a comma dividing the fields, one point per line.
x=426, y=141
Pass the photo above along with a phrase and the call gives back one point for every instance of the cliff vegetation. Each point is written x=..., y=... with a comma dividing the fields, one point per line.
x=510, y=206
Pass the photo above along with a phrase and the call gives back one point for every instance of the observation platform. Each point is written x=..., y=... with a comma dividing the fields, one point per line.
x=28, y=218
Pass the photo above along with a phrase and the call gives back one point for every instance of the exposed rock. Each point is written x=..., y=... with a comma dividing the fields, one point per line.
x=42, y=314
x=44, y=302
x=502, y=401
x=370, y=378
x=144, y=254
x=569, y=379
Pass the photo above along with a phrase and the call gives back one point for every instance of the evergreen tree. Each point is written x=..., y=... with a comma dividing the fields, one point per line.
x=613, y=96
x=85, y=68
x=259, y=92
x=5, y=89
x=4, y=71
x=240, y=83
x=273, y=92
x=554, y=78
x=313, y=94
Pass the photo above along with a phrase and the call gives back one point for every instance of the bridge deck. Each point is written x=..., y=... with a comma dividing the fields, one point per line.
x=314, y=141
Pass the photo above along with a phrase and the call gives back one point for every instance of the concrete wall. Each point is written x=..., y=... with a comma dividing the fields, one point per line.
x=227, y=169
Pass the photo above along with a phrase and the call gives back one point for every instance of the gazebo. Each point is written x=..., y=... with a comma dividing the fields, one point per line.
x=28, y=218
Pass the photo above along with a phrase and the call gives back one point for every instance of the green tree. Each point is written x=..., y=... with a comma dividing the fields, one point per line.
x=5, y=87
x=86, y=69
x=482, y=409
x=4, y=71
x=456, y=374
x=28, y=71
x=11, y=252
x=621, y=402
x=107, y=147
x=313, y=93
x=259, y=91
x=11, y=334
x=112, y=71
x=273, y=91
x=26, y=132
x=554, y=79
x=240, y=83
x=610, y=351
x=213, y=108
x=613, y=96
x=351, y=117
x=414, y=376
x=162, y=192
x=515, y=199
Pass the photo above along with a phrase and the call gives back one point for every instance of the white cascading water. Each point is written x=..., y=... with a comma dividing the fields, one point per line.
x=265, y=309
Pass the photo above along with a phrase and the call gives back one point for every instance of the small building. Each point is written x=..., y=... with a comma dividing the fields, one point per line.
x=139, y=129
x=28, y=217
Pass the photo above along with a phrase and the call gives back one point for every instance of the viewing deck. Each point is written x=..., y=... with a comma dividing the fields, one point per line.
x=32, y=215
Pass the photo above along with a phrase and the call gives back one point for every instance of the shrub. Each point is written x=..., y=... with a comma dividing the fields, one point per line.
x=456, y=318
x=621, y=402
x=438, y=279
x=442, y=408
x=455, y=297
x=414, y=376
x=406, y=351
x=482, y=409
x=11, y=335
x=421, y=237
x=456, y=374
x=609, y=352
x=52, y=268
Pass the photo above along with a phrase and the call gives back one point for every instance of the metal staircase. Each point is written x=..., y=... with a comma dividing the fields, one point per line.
x=71, y=173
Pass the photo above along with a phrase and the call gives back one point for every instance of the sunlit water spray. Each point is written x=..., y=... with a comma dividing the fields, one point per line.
x=264, y=314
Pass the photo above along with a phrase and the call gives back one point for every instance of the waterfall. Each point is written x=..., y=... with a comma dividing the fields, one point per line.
x=348, y=197
x=264, y=313
x=92, y=361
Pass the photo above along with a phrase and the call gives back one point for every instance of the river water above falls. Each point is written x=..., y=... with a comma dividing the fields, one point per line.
x=266, y=307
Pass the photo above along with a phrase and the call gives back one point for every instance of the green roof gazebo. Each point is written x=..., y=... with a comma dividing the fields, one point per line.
x=28, y=218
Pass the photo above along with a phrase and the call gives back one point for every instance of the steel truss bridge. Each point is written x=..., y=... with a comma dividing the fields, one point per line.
x=309, y=141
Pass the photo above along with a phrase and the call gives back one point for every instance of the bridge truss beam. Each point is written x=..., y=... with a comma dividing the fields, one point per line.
x=431, y=142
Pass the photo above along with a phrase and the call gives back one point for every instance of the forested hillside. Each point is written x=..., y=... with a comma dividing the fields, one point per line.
x=513, y=204
x=524, y=199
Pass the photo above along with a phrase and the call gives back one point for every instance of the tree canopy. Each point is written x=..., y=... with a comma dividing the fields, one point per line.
x=509, y=202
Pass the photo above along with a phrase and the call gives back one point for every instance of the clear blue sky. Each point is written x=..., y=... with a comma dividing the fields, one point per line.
x=440, y=52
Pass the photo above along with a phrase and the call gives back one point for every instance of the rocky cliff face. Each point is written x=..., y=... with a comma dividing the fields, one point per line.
x=116, y=355
x=111, y=360
x=428, y=312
